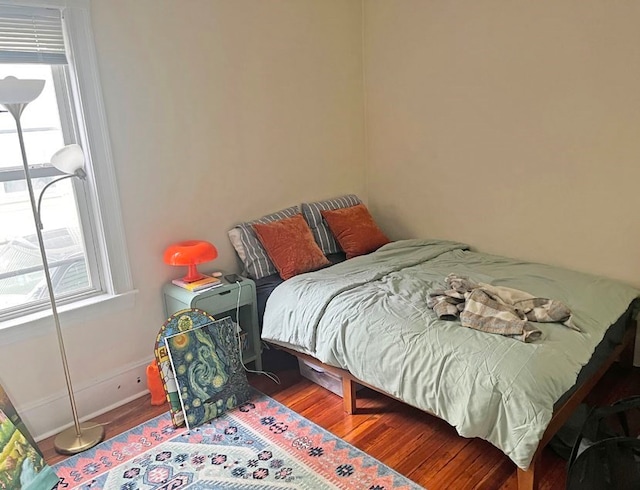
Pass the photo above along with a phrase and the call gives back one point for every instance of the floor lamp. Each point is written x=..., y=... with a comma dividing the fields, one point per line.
x=15, y=94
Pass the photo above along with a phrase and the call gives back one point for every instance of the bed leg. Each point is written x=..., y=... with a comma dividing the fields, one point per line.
x=349, y=395
x=528, y=479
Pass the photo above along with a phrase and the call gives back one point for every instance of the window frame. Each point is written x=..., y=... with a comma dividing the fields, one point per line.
x=100, y=190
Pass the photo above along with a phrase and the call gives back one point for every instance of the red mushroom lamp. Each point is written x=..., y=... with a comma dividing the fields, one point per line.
x=190, y=253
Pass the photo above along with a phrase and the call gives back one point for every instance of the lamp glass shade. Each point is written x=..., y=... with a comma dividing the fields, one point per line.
x=68, y=159
x=16, y=91
x=190, y=253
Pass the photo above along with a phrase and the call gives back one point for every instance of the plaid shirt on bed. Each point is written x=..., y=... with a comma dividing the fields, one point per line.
x=496, y=309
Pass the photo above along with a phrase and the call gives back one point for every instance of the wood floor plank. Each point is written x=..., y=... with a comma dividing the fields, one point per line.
x=472, y=474
x=420, y=446
x=350, y=427
x=496, y=476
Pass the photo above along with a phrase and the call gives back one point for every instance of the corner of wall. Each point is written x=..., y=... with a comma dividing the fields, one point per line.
x=365, y=129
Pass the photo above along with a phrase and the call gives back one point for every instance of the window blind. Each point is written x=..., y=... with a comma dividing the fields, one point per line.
x=31, y=35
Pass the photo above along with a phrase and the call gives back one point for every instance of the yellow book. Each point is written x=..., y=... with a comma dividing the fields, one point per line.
x=206, y=282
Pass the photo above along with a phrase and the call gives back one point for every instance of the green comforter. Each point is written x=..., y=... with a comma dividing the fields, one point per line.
x=369, y=315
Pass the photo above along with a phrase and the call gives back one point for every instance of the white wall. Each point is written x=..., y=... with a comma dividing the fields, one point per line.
x=512, y=126
x=219, y=111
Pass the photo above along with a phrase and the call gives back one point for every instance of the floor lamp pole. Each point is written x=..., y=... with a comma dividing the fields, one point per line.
x=81, y=436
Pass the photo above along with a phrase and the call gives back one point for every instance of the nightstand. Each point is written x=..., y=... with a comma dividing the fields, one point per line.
x=220, y=302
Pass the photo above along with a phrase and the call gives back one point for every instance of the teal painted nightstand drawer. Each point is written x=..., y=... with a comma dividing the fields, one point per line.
x=224, y=298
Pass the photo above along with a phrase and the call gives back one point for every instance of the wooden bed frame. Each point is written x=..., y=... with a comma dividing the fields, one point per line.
x=527, y=479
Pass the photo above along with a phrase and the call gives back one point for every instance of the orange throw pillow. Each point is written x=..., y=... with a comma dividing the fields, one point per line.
x=291, y=246
x=355, y=230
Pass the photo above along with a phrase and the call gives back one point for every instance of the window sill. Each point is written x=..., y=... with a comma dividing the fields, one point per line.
x=41, y=323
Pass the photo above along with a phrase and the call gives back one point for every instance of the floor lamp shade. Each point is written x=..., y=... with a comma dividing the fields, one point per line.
x=15, y=94
x=69, y=159
x=15, y=91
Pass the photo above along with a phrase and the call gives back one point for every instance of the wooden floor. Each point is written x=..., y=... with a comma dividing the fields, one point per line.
x=423, y=448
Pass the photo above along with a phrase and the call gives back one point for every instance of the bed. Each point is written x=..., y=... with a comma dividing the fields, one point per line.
x=366, y=319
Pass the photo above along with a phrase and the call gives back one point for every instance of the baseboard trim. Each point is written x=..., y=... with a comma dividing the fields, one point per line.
x=50, y=415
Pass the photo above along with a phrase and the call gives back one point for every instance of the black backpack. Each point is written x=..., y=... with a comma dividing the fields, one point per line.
x=606, y=454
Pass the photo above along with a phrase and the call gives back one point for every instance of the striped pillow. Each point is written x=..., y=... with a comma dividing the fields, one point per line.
x=319, y=228
x=253, y=255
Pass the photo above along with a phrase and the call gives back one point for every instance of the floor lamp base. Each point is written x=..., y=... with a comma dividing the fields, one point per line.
x=68, y=441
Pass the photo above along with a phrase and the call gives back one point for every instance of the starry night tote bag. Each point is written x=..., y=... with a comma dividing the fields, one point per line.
x=180, y=321
x=208, y=370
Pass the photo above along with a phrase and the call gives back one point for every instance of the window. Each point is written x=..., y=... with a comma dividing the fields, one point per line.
x=84, y=242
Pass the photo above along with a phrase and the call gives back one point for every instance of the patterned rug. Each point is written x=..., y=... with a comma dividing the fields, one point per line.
x=260, y=445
